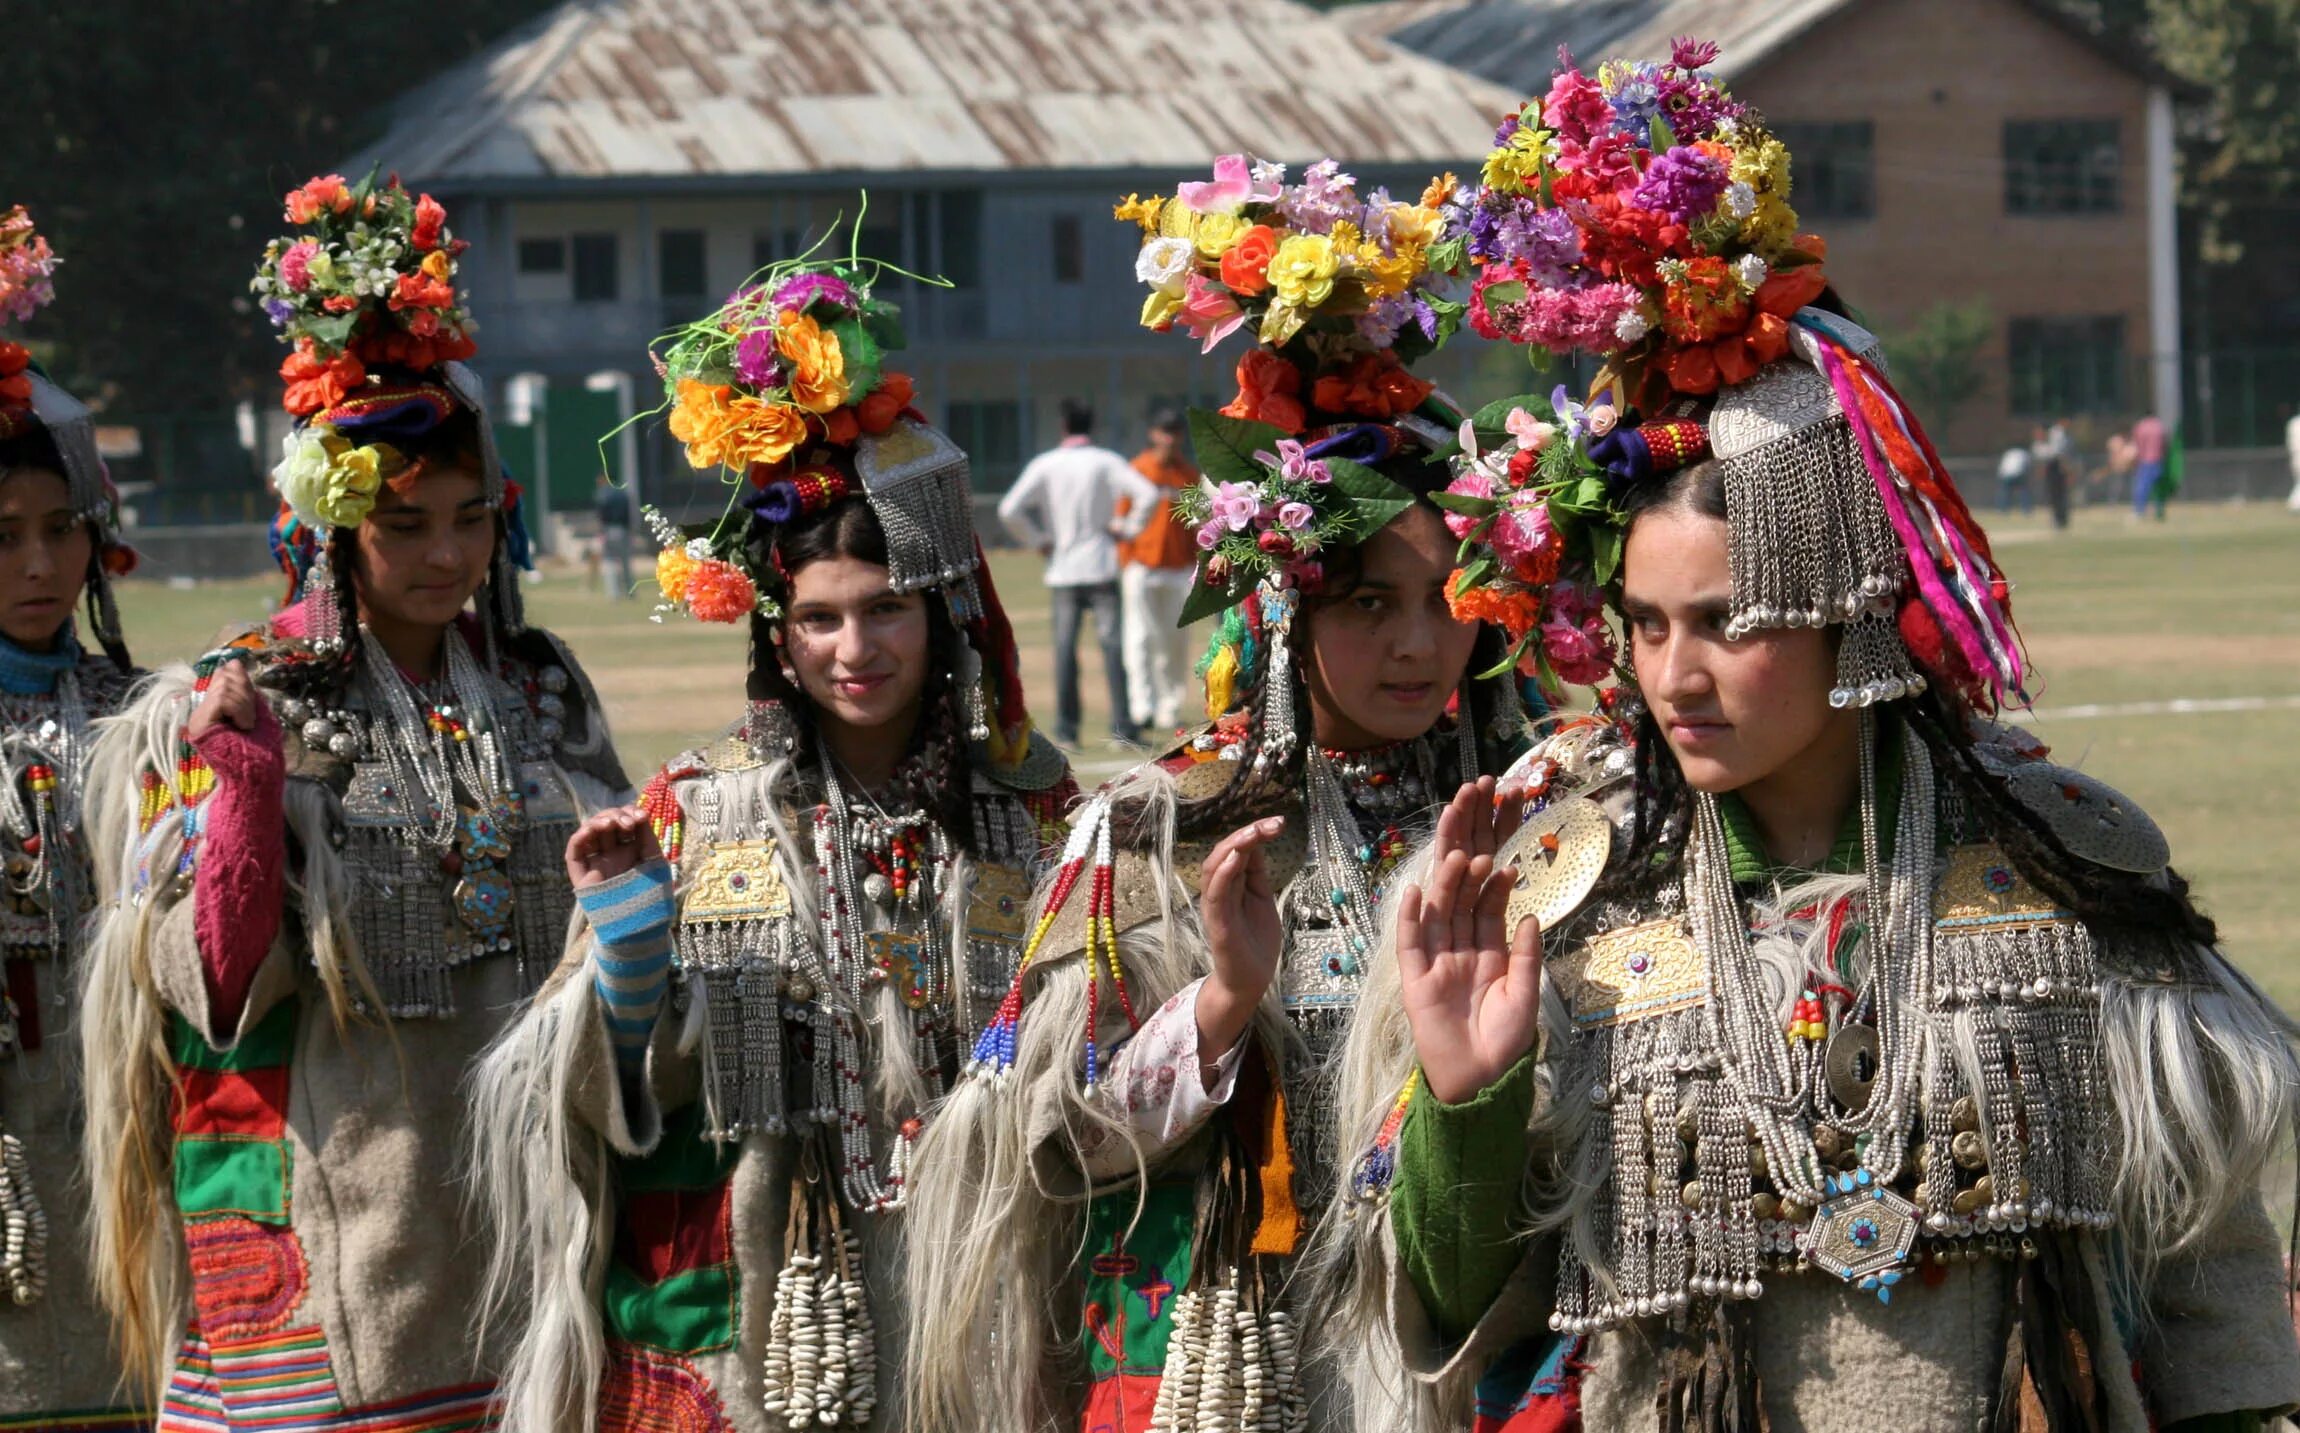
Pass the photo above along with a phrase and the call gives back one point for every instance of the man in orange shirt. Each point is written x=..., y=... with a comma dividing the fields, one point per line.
x=1154, y=573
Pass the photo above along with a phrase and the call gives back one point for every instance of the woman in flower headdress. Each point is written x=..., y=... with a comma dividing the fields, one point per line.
x=1803, y=978
x=332, y=850
x=1106, y=1216
x=59, y=539
x=795, y=936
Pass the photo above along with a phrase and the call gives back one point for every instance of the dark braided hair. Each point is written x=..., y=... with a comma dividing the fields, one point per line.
x=849, y=528
x=2162, y=917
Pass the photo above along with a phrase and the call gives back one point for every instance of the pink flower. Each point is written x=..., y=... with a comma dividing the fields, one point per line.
x=1523, y=538
x=1295, y=462
x=1209, y=312
x=1234, y=505
x=1296, y=515
x=295, y=264
x=1575, y=602
x=1230, y=189
x=1581, y=654
x=1209, y=533
x=1576, y=107
x=1468, y=485
x=1531, y=433
x=1609, y=159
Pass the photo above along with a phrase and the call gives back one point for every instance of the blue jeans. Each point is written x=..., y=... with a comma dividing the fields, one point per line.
x=2146, y=480
x=1070, y=605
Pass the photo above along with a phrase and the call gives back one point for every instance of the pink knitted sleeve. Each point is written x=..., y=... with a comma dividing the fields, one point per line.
x=240, y=881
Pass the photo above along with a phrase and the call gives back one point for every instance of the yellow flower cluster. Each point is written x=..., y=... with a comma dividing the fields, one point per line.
x=1515, y=167
x=1142, y=211
x=331, y=481
x=1771, y=227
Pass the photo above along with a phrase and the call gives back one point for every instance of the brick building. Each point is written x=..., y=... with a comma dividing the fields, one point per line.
x=1949, y=150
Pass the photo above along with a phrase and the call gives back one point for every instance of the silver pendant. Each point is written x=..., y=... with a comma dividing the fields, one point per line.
x=879, y=890
x=1862, y=1232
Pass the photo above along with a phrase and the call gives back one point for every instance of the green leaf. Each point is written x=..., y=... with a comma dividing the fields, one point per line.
x=1508, y=291
x=861, y=353
x=1468, y=504
x=883, y=321
x=1664, y=138
x=1207, y=600
x=1604, y=551
x=1225, y=446
x=1491, y=422
x=1508, y=661
x=1375, y=498
x=1477, y=572
x=333, y=330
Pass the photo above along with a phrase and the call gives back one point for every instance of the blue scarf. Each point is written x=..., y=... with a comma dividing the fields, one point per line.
x=33, y=674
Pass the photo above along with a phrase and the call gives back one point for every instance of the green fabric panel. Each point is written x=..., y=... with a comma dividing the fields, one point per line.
x=1135, y=1268
x=221, y=1174
x=1456, y=1188
x=683, y=1159
x=692, y=1312
x=270, y=1043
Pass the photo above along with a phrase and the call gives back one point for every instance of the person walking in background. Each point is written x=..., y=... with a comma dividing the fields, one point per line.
x=2148, y=454
x=2012, y=478
x=2115, y=477
x=613, y=505
x=1154, y=573
x=2292, y=455
x=1065, y=505
x=2054, y=461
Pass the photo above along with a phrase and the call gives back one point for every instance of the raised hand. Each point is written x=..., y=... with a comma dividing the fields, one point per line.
x=1472, y=991
x=230, y=700
x=611, y=842
x=1238, y=907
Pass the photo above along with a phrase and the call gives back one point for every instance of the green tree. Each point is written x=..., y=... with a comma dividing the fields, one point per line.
x=1935, y=360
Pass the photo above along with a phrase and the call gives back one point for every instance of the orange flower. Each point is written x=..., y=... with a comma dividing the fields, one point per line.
x=885, y=404
x=314, y=383
x=673, y=567
x=1376, y=385
x=326, y=193
x=763, y=432
x=700, y=418
x=1269, y=391
x=720, y=592
x=818, y=366
x=1513, y=609
x=421, y=290
x=839, y=427
x=430, y=222
x=1246, y=264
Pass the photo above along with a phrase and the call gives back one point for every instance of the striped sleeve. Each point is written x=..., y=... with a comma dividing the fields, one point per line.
x=631, y=915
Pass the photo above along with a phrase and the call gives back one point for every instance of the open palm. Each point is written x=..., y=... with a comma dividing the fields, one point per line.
x=1472, y=991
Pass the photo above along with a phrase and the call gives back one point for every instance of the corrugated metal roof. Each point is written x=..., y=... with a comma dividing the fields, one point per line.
x=1514, y=43
x=689, y=88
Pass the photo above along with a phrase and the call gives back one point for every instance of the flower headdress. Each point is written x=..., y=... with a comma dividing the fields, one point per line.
x=1644, y=217
x=29, y=399
x=365, y=295
x=1340, y=294
x=784, y=391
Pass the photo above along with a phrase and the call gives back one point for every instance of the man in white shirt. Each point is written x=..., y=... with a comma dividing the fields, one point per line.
x=2292, y=456
x=1065, y=505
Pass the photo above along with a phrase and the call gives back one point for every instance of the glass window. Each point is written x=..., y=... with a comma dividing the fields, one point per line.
x=2062, y=166
x=543, y=256
x=1069, y=241
x=2064, y=366
x=595, y=277
x=961, y=234
x=680, y=263
x=1833, y=171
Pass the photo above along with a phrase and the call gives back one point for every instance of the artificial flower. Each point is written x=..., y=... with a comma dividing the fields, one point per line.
x=1302, y=271
x=1234, y=184
x=803, y=291
x=1531, y=433
x=1568, y=412
x=1143, y=212
x=1295, y=464
x=1209, y=312
x=701, y=419
x=673, y=566
x=1269, y=391
x=1164, y=262
x=1576, y=107
x=762, y=431
x=1324, y=198
x=1209, y=532
x=720, y=592
x=1215, y=233
x=430, y=225
x=1234, y=505
x=758, y=360
x=1159, y=310
x=1513, y=609
x=314, y=383
x=878, y=412
x=1373, y=385
x=817, y=365
x=1684, y=183
x=295, y=264
x=1580, y=653
x=327, y=480
x=327, y=194
x=1246, y=264
x=1296, y=515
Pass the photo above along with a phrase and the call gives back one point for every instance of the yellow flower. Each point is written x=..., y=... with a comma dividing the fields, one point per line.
x=1302, y=271
x=1387, y=274
x=1771, y=226
x=1217, y=232
x=699, y=419
x=764, y=432
x=1159, y=309
x=1413, y=225
x=672, y=569
x=1142, y=211
x=1439, y=190
x=331, y=481
x=818, y=365
x=438, y=267
x=1515, y=168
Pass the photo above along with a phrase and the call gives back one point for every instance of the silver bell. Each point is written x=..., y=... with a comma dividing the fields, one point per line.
x=344, y=744
x=318, y=732
x=553, y=679
x=551, y=705
x=551, y=728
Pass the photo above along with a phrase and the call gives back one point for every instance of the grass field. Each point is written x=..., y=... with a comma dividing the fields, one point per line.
x=2205, y=607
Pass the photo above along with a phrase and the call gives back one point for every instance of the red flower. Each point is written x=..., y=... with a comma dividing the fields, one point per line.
x=328, y=193
x=1276, y=543
x=314, y=383
x=720, y=592
x=1375, y=385
x=420, y=290
x=430, y=222
x=877, y=412
x=1269, y=391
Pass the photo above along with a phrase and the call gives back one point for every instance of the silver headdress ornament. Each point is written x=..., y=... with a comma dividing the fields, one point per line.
x=919, y=484
x=1811, y=544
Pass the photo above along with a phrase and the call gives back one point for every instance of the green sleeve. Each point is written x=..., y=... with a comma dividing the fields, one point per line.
x=1454, y=1196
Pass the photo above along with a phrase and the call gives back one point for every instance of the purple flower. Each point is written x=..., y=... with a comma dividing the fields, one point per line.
x=1296, y=515
x=776, y=502
x=1324, y=198
x=1234, y=505
x=800, y=290
x=1547, y=239
x=1294, y=461
x=1636, y=97
x=1687, y=53
x=1684, y=184
x=1209, y=533
x=756, y=362
x=279, y=311
x=1380, y=323
x=1693, y=104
